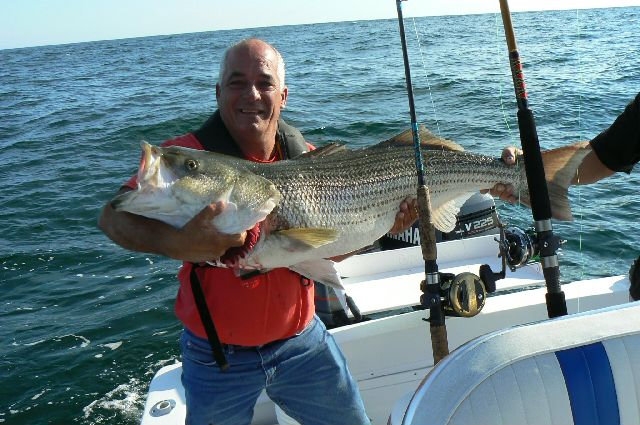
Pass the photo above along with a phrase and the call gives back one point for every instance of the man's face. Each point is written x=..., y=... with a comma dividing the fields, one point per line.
x=249, y=94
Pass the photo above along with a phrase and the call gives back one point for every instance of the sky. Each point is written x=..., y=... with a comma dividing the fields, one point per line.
x=25, y=23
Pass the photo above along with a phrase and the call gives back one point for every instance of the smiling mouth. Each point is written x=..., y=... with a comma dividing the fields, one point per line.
x=251, y=111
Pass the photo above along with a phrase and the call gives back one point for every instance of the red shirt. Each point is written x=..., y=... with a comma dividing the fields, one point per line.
x=262, y=309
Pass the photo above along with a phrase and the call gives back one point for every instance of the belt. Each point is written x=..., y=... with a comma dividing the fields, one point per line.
x=233, y=347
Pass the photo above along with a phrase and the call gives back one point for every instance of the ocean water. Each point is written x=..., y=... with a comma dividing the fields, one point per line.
x=84, y=324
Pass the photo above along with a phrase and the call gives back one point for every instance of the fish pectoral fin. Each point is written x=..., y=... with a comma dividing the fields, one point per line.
x=446, y=216
x=236, y=218
x=308, y=237
x=320, y=270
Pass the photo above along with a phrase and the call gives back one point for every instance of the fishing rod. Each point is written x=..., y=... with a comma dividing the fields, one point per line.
x=534, y=168
x=431, y=285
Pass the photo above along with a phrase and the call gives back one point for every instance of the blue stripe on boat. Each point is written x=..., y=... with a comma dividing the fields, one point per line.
x=592, y=392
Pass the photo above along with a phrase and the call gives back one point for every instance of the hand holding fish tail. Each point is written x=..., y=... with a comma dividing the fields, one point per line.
x=406, y=216
x=510, y=153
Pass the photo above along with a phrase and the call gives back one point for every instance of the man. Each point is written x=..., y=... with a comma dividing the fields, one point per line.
x=615, y=149
x=266, y=323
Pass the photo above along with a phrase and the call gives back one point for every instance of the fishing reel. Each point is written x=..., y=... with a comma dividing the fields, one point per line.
x=518, y=247
x=461, y=295
x=464, y=294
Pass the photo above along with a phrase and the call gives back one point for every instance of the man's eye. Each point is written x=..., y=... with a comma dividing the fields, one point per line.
x=266, y=85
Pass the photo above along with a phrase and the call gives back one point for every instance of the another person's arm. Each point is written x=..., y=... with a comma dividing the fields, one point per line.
x=615, y=149
x=590, y=171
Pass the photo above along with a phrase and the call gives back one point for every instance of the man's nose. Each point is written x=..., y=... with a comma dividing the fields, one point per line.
x=251, y=91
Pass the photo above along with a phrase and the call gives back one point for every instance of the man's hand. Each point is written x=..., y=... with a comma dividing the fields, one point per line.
x=406, y=216
x=201, y=241
x=505, y=191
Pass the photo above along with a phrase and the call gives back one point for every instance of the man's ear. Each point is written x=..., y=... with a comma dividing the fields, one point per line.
x=217, y=91
x=284, y=94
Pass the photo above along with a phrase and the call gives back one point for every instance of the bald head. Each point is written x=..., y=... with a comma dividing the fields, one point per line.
x=250, y=94
x=255, y=45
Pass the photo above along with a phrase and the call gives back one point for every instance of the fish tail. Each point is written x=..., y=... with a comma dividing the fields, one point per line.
x=560, y=168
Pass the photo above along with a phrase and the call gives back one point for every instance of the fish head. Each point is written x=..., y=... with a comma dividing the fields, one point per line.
x=175, y=183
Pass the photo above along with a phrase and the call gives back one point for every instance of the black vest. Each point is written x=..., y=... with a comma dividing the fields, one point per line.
x=214, y=137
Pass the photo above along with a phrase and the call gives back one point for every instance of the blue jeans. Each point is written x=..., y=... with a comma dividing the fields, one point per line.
x=305, y=375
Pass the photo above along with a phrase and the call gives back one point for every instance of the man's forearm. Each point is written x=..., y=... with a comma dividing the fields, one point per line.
x=197, y=241
x=138, y=233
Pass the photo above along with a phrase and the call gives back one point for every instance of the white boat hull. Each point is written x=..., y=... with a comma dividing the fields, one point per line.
x=385, y=287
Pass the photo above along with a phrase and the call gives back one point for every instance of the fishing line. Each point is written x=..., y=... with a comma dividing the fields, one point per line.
x=578, y=207
x=499, y=53
x=430, y=286
x=538, y=190
x=501, y=65
x=426, y=76
x=579, y=190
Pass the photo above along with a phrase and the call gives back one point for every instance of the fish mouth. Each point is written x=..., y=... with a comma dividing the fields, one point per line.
x=147, y=177
x=153, y=178
x=151, y=173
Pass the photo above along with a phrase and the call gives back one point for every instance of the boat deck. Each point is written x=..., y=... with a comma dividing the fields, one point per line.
x=379, y=282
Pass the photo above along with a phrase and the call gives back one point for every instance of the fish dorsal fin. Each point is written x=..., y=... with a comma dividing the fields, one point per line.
x=325, y=150
x=307, y=237
x=445, y=217
x=428, y=140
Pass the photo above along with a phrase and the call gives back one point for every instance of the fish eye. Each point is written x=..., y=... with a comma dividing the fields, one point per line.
x=191, y=164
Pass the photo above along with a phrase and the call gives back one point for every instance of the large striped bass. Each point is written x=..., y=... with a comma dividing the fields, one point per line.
x=330, y=201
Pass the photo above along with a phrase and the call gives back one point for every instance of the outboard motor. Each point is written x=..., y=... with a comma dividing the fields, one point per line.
x=477, y=217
